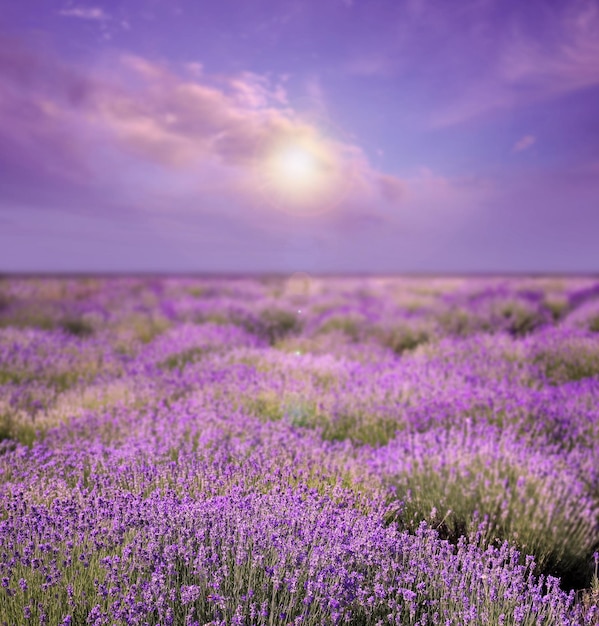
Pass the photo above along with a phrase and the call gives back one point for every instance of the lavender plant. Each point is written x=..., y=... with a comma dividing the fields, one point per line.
x=376, y=451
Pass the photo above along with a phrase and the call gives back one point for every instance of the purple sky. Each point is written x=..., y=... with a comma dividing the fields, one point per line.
x=137, y=135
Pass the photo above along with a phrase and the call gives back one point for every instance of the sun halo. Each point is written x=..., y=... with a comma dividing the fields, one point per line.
x=300, y=173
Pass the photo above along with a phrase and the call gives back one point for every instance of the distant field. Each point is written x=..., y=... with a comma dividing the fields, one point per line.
x=299, y=451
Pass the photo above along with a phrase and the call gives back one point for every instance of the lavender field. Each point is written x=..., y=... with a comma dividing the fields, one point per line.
x=300, y=450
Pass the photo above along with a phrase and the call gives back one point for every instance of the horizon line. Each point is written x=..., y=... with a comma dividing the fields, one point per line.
x=280, y=274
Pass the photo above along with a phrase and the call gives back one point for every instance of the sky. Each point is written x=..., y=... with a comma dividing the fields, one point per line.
x=339, y=136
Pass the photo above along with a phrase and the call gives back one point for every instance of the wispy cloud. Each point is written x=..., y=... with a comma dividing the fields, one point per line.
x=392, y=189
x=85, y=13
x=195, y=68
x=557, y=55
x=551, y=65
x=524, y=143
x=256, y=91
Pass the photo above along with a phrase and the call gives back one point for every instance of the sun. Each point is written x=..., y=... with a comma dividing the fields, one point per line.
x=296, y=169
x=296, y=166
x=299, y=172
x=302, y=169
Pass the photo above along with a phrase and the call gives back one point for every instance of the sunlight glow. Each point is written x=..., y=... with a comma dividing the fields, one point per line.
x=296, y=166
x=302, y=173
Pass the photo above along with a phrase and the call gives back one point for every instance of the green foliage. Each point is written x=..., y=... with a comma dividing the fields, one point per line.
x=359, y=429
x=214, y=318
x=83, y=574
x=401, y=339
x=18, y=430
x=590, y=597
x=11, y=376
x=348, y=325
x=5, y=427
x=147, y=328
x=181, y=359
x=265, y=405
x=271, y=324
x=566, y=363
x=521, y=319
x=29, y=318
x=557, y=308
x=61, y=381
x=279, y=323
x=324, y=380
x=77, y=327
x=458, y=322
x=301, y=412
x=4, y=301
x=495, y=503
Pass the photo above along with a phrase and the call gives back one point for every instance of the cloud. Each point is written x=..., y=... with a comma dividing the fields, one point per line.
x=531, y=62
x=391, y=188
x=38, y=135
x=256, y=91
x=557, y=64
x=85, y=13
x=524, y=143
x=178, y=122
x=158, y=138
x=195, y=68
